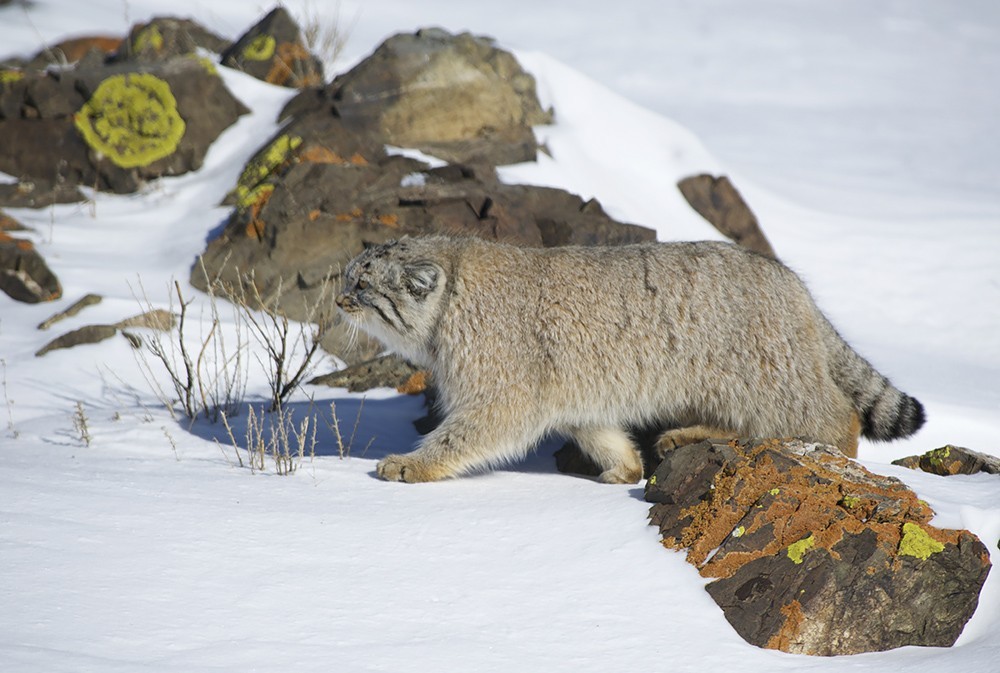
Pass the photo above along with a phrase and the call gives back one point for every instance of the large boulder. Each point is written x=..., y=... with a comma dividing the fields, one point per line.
x=813, y=553
x=458, y=97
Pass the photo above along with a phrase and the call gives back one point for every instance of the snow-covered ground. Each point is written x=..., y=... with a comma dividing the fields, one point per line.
x=863, y=135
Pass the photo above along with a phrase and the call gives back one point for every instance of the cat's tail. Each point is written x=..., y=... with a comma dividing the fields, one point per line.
x=885, y=412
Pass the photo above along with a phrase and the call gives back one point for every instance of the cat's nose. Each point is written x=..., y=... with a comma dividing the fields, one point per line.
x=342, y=300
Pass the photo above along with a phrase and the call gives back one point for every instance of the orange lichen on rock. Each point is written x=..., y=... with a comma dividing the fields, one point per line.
x=790, y=628
x=774, y=502
x=255, y=225
x=416, y=384
x=317, y=154
x=283, y=70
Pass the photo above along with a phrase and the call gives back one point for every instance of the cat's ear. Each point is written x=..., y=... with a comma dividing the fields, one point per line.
x=421, y=278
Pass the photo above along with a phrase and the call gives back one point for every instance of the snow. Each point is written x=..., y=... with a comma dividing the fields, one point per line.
x=863, y=136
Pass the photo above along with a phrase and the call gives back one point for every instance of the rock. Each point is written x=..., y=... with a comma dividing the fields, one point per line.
x=109, y=126
x=72, y=310
x=273, y=50
x=35, y=193
x=458, y=97
x=717, y=201
x=91, y=334
x=73, y=50
x=164, y=37
x=386, y=371
x=157, y=319
x=24, y=275
x=950, y=459
x=814, y=554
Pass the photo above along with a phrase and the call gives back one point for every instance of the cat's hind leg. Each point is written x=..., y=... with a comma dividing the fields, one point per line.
x=613, y=452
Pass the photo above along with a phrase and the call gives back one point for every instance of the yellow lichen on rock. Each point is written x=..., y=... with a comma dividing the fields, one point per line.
x=9, y=76
x=148, y=39
x=916, y=542
x=260, y=48
x=131, y=119
x=262, y=166
x=797, y=550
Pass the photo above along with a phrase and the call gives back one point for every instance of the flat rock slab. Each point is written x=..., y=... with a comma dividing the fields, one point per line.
x=385, y=371
x=813, y=553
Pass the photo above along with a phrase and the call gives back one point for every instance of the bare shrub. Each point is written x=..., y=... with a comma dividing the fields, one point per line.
x=324, y=32
x=291, y=348
x=275, y=438
x=207, y=382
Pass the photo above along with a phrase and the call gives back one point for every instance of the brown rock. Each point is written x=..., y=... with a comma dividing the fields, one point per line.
x=815, y=554
x=24, y=275
x=91, y=334
x=164, y=37
x=717, y=201
x=72, y=310
x=273, y=50
x=950, y=459
x=386, y=371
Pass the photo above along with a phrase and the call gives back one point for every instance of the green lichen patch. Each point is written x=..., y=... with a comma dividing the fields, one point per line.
x=9, y=76
x=797, y=550
x=850, y=501
x=253, y=197
x=938, y=456
x=261, y=166
x=131, y=119
x=916, y=542
x=208, y=65
x=261, y=48
x=148, y=39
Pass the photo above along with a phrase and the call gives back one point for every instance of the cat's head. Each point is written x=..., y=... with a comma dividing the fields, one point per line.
x=392, y=291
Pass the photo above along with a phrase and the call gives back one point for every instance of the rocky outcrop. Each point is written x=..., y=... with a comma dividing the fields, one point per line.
x=111, y=121
x=813, y=553
x=716, y=199
x=315, y=194
x=950, y=459
x=112, y=127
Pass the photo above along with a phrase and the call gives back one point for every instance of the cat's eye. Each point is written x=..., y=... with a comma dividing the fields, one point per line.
x=362, y=284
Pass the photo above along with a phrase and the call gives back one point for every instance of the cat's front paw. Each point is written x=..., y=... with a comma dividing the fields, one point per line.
x=406, y=468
